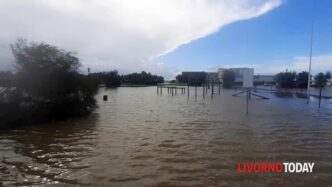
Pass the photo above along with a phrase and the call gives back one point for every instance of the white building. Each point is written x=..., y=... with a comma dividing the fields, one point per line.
x=243, y=76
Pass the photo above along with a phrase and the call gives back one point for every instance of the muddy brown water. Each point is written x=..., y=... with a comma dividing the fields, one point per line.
x=139, y=138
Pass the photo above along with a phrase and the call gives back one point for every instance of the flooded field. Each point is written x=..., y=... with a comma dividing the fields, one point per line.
x=139, y=138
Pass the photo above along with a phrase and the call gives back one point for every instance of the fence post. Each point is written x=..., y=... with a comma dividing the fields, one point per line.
x=247, y=100
x=320, y=96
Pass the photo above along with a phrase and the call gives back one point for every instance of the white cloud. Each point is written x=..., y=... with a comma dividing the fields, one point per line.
x=121, y=34
x=320, y=63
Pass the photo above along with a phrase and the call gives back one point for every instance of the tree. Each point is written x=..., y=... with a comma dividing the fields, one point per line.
x=181, y=79
x=228, y=78
x=320, y=79
x=286, y=79
x=302, y=79
x=142, y=78
x=197, y=81
x=49, y=82
x=7, y=79
x=328, y=75
x=110, y=78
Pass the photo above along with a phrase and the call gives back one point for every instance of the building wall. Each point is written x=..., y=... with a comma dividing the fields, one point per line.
x=244, y=76
x=194, y=78
x=212, y=76
x=264, y=79
x=220, y=73
x=194, y=75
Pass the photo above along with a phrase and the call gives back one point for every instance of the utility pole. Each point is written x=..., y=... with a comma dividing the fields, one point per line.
x=310, y=57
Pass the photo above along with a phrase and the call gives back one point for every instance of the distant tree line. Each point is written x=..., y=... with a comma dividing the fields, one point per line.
x=109, y=78
x=113, y=79
x=300, y=80
x=142, y=78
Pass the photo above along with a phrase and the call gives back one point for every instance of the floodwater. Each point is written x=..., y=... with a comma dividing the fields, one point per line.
x=139, y=138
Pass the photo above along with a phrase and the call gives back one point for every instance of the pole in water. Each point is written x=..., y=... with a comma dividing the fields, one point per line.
x=206, y=88
x=203, y=88
x=320, y=96
x=157, y=90
x=212, y=89
x=196, y=91
x=247, y=100
x=310, y=57
x=249, y=93
x=188, y=90
x=105, y=97
x=219, y=88
x=161, y=90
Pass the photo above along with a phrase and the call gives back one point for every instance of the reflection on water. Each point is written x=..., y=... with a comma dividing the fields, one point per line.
x=138, y=138
x=51, y=154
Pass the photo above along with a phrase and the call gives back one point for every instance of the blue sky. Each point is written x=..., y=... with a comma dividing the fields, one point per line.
x=272, y=42
x=166, y=37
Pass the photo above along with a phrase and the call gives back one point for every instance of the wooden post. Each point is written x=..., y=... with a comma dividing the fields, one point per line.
x=219, y=88
x=157, y=90
x=320, y=96
x=188, y=90
x=161, y=90
x=212, y=89
x=247, y=100
x=196, y=91
x=105, y=97
x=249, y=93
x=206, y=87
x=203, y=88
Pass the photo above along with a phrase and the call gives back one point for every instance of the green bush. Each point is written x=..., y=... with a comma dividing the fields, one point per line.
x=48, y=85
